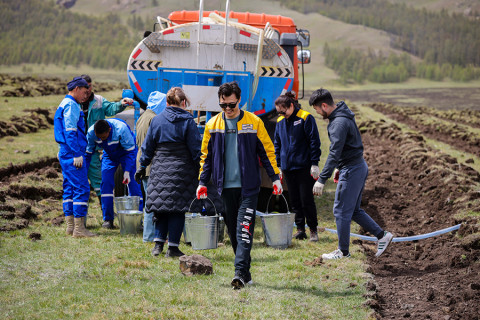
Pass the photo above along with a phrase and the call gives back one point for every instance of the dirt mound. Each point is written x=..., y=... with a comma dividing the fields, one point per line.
x=35, y=119
x=438, y=125
x=33, y=87
x=412, y=190
x=47, y=164
x=22, y=201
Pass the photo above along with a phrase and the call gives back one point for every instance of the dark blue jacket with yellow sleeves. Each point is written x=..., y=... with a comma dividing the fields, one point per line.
x=254, y=144
x=297, y=143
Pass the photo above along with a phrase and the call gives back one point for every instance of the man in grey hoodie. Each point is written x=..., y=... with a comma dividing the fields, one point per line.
x=346, y=154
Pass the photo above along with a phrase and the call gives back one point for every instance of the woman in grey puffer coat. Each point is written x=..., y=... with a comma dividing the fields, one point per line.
x=172, y=146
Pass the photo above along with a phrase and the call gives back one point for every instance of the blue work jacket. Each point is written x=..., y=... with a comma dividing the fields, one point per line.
x=297, y=143
x=119, y=146
x=69, y=127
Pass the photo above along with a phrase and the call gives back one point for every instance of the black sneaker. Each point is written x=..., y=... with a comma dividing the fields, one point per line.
x=158, y=248
x=173, y=252
x=238, y=282
x=300, y=235
x=108, y=224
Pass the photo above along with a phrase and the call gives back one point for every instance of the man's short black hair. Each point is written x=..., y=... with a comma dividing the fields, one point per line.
x=86, y=77
x=101, y=127
x=229, y=88
x=321, y=96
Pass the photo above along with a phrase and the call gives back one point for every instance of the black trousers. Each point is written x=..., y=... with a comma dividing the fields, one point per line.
x=240, y=221
x=300, y=184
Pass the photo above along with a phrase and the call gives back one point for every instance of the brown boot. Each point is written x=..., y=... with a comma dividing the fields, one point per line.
x=79, y=230
x=69, y=222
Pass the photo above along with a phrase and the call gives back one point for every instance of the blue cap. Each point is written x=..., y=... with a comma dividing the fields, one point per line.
x=77, y=82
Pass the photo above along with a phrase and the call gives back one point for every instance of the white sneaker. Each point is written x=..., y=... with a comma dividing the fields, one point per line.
x=383, y=243
x=337, y=254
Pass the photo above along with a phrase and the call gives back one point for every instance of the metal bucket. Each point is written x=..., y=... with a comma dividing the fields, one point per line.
x=278, y=228
x=130, y=221
x=187, y=230
x=127, y=203
x=202, y=231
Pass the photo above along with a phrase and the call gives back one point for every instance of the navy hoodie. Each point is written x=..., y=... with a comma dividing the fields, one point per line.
x=171, y=125
x=346, y=147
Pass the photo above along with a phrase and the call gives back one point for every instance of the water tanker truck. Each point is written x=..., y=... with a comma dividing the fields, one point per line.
x=200, y=50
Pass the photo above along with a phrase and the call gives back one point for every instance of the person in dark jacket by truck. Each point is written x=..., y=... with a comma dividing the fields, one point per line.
x=172, y=146
x=346, y=154
x=297, y=148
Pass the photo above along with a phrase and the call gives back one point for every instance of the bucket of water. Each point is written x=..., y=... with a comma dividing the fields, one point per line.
x=202, y=231
x=127, y=203
x=278, y=227
x=130, y=221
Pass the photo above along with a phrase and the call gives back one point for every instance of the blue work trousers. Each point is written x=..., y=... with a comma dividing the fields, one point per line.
x=76, y=190
x=148, y=227
x=300, y=184
x=239, y=218
x=169, y=226
x=346, y=207
x=108, y=184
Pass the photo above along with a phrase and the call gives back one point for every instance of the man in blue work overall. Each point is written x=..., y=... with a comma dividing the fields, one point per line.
x=346, y=154
x=69, y=130
x=97, y=108
x=118, y=144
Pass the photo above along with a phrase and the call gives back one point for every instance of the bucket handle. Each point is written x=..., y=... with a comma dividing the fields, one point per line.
x=190, y=207
x=286, y=203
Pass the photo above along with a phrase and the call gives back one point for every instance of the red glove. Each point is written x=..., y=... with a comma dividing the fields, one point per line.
x=201, y=192
x=336, y=175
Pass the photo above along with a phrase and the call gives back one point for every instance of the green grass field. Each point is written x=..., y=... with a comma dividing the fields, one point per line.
x=115, y=277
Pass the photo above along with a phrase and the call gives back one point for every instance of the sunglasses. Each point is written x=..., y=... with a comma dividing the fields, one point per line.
x=228, y=105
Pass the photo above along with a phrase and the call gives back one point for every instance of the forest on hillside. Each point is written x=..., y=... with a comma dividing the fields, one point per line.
x=448, y=43
x=38, y=31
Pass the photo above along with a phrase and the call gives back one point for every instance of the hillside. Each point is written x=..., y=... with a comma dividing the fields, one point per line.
x=340, y=35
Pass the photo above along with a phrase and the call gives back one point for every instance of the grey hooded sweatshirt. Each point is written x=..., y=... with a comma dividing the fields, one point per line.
x=346, y=147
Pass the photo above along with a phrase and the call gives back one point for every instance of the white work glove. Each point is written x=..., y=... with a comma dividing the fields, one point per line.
x=315, y=172
x=78, y=162
x=318, y=188
x=277, y=187
x=280, y=174
x=201, y=192
x=127, y=102
x=126, y=177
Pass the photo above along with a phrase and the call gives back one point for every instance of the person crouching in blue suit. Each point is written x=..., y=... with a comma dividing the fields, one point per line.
x=118, y=143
